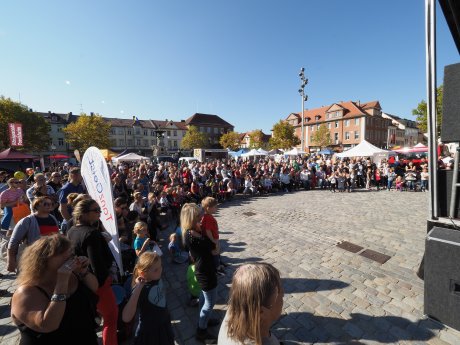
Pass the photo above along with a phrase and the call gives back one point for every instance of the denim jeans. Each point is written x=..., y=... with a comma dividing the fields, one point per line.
x=207, y=302
x=7, y=216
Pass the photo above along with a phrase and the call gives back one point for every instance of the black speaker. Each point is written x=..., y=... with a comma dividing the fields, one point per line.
x=442, y=276
x=450, y=129
x=445, y=179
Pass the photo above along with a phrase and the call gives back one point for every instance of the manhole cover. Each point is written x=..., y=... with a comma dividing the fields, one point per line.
x=249, y=214
x=351, y=247
x=376, y=256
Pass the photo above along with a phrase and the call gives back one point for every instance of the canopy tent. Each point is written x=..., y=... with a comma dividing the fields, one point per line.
x=294, y=152
x=364, y=149
x=417, y=148
x=108, y=154
x=251, y=153
x=124, y=152
x=274, y=152
x=326, y=152
x=130, y=157
x=13, y=155
x=262, y=152
x=236, y=153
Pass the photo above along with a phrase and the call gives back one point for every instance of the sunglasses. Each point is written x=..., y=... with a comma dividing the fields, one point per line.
x=97, y=210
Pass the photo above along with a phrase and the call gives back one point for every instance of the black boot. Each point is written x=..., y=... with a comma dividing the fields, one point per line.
x=205, y=337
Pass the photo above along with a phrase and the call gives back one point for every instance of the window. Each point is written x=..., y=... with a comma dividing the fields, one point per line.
x=146, y=142
x=152, y=133
x=175, y=143
x=60, y=141
x=356, y=121
x=216, y=130
x=146, y=132
x=347, y=135
x=168, y=133
x=128, y=132
x=175, y=133
x=113, y=131
x=312, y=128
x=317, y=126
x=221, y=131
x=356, y=135
x=121, y=142
x=329, y=125
x=169, y=143
x=130, y=142
x=152, y=141
x=59, y=129
x=337, y=114
x=138, y=142
x=347, y=123
x=336, y=124
x=208, y=129
x=336, y=138
x=328, y=116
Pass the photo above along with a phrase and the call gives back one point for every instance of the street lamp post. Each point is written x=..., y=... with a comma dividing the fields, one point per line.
x=304, y=82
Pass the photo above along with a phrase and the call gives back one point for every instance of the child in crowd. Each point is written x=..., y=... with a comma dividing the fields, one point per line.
x=210, y=229
x=143, y=243
x=177, y=255
x=149, y=298
x=399, y=183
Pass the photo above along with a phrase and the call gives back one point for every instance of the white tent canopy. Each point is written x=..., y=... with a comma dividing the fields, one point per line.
x=364, y=149
x=130, y=157
x=251, y=153
x=262, y=152
x=294, y=152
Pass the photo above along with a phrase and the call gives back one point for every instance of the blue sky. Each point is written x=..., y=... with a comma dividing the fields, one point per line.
x=238, y=59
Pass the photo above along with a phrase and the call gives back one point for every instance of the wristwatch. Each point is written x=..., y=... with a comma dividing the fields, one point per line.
x=59, y=297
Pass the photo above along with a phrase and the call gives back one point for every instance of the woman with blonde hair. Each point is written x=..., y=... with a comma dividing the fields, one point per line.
x=256, y=301
x=201, y=247
x=55, y=299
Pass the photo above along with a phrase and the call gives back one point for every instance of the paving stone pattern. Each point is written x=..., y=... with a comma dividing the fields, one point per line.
x=332, y=296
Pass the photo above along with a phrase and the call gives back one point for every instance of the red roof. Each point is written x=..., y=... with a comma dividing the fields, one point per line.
x=13, y=155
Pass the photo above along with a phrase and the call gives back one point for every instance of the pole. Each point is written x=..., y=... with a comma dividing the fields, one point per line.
x=430, y=26
x=302, y=128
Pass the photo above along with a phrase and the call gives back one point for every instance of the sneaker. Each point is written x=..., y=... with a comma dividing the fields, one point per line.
x=205, y=337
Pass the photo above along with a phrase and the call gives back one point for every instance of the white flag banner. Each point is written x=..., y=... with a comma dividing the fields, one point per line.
x=97, y=180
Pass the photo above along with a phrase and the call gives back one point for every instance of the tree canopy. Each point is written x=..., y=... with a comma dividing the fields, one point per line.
x=256, y=139
x=421, y=112
x=194, y=139
x=283, y=136
x=35, y=128
x=230, y=140
x=322, y=137
x=88, y=131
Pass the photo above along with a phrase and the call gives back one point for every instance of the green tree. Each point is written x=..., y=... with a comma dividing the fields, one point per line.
x=35, y=128
x=322, y=136
x=230, y=140
x=421, y=112
x=88, y=131
x=256, y=139
x=194, y=139
x=283, y=136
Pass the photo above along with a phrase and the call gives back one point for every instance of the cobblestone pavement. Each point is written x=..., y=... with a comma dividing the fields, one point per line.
x=332, y=296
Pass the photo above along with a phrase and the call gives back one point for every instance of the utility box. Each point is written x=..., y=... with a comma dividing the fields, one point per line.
x=442, y=276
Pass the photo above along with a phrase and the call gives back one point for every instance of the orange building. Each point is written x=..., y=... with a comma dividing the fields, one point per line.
x=348, y=123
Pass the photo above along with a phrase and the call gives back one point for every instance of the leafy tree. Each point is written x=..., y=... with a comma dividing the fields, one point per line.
x=256, y=139
x=35, y=128
x=88, y=131
x=283, y=136
x=194, y=139
x=230, y=140
x=421, y=112
x=322, y=136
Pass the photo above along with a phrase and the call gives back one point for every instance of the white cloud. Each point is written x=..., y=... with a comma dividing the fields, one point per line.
x=67, y=82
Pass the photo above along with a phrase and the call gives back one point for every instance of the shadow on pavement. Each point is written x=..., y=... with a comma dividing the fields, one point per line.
x=309, y=328
x=295, y=285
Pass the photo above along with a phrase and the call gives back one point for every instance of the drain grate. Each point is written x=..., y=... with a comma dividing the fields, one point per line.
x=376, y=256
x=249, y=214
x=351, y=247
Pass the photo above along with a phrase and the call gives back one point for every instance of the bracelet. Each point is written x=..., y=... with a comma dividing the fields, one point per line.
x=59, y=297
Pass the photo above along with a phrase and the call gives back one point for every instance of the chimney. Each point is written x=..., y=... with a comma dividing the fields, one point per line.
x=70, y=113
x=182, y=120
x=49, y=112
x=359, y=103
x=91, y=113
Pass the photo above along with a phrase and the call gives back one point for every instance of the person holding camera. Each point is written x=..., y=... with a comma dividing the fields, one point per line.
x=40, y=188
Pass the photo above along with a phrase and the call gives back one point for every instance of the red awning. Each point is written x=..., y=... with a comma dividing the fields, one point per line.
x=13, y=155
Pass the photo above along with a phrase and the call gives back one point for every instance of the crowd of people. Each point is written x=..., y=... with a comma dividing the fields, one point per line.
x=66, y=270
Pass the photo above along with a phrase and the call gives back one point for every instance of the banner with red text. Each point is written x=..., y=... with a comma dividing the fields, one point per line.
x=15, y=134
x=97, y=180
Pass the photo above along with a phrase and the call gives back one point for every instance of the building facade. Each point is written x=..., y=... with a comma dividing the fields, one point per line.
x=245, y=139
x=213, y=125
x=348, y=124
x=410, y=136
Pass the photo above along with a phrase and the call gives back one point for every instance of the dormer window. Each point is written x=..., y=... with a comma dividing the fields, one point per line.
x=317, y=117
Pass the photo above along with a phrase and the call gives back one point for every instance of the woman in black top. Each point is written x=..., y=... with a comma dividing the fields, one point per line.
x=200, y=247
x=88, y=241
x=55, y=301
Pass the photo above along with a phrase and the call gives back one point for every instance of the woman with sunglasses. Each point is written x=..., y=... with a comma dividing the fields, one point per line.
x=55, y=300
x=29, y=229
x=88, y=241
x=8, y=199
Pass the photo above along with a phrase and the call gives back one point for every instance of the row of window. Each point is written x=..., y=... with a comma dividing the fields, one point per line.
x=336, y=124
x=215, y=130
x=333, y=114
x=347, y=136
x=129, y=131
x=142, y=143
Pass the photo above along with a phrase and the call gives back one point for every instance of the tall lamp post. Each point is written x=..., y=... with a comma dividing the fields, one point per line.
x=303, y=83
